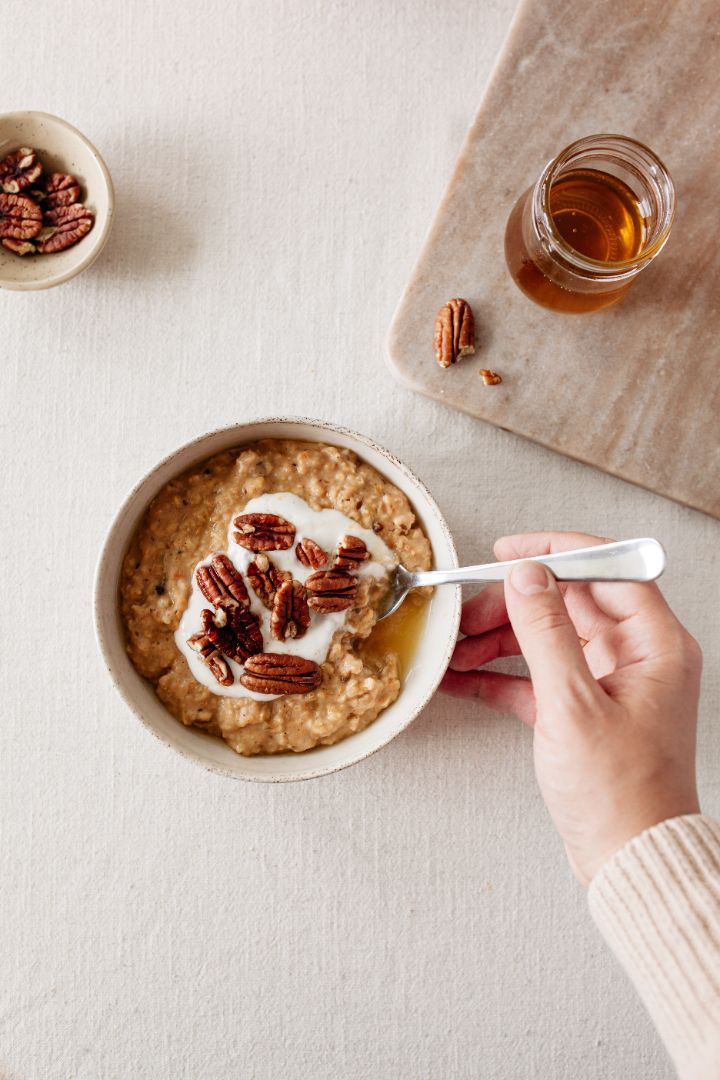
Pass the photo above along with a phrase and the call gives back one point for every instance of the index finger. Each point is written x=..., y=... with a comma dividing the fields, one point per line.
x=619, y=599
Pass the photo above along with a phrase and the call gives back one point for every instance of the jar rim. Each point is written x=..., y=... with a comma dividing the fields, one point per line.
x=639, y=155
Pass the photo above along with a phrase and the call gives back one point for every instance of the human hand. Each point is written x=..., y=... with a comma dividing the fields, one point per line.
x=614, y=720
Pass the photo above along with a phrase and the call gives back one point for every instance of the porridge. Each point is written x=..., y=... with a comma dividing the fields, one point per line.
x=249, y=592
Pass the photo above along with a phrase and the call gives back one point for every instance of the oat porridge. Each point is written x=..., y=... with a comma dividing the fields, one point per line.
x=248, y=595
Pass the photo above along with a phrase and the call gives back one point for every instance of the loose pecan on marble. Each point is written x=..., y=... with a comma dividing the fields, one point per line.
x=221, y=583
x=330, y=590
x=454, y=332
x=290, y=615
x=263, y=532
x=19, y=170
x=280, y=673
x=63, y=227
x=20, y=218
x=351, y=553
x=310, y=554
x=266, y=579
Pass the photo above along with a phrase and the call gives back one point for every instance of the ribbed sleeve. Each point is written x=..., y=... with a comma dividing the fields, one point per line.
x=657, y=903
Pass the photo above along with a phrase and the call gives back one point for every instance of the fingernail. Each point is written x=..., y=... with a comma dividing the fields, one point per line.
x=529, y=578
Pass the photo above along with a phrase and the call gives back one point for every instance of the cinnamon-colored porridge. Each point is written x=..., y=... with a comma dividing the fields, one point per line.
x=322, y=681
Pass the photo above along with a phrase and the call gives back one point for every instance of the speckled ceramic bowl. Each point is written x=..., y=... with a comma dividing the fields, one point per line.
x=61, y=148
x=433, y=650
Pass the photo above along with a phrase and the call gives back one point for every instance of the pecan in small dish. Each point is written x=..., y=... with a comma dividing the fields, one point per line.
x=454, y=332
x=63, y=227
x=19, y=170
x=63, y=219
x=20, y=218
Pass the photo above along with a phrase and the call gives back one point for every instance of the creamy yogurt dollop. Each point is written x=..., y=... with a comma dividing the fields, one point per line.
x=326, y=528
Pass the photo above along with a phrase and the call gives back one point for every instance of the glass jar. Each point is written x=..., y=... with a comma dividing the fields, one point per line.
x=599, y=214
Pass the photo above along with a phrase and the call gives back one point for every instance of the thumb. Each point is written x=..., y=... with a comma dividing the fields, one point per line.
x=547, y=638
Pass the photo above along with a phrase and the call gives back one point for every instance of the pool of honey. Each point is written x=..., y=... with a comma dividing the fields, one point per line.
x=399, y=633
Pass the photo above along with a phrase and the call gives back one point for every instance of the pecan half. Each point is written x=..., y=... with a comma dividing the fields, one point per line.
x=20, y=247
x=263, y=532
x=454, y=332
x=290, y=615
x=238, y=636
x=280, y=673
x=221, y=583
x=210, y=654
x=19, y=170
x=20, y=218
x=68, y=224
x=266, y=579
x=310, y=554
x=61, y=189
x=490, y=378
x=351, y=552
x=331, y=590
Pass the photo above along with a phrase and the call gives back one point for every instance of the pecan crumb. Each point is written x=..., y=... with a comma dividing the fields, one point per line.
x=490, y=378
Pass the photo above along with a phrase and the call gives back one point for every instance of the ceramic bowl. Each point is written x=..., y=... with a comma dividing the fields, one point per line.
x=61, y=148
x=431, y=658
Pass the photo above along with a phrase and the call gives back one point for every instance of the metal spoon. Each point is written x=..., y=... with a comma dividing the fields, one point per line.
x=627, y=560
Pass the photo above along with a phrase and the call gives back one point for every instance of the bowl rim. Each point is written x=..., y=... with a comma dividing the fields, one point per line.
x=104, y=232
x=103, y=567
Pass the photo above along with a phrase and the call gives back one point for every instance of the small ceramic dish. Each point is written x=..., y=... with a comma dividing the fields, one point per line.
x=60, y=148
x=433, y=650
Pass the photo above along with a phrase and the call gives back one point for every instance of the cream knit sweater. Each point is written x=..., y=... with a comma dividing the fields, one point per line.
x=657, y=903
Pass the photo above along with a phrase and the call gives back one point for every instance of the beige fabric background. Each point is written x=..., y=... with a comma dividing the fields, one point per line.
x=277, y=165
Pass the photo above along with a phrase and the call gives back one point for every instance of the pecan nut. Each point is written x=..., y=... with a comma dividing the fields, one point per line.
x=290, y=615
x=331, y=590
x=310, y=554
x=19, y=170
x=221, y=583
x=454, y=332
x=65, y=226
x=266, y=579
x=210, y=655
x=263, y=532
x=20, y=218
x=351, y=552
x=61, y=189
x=20, y=247
x=280, y=673
x=490, y=378
x=238, y=635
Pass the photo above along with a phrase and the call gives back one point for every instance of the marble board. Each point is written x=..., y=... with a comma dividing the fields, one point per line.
x=634, y=389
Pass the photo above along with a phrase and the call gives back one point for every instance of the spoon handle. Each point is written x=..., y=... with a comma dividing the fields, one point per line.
x=627, y=560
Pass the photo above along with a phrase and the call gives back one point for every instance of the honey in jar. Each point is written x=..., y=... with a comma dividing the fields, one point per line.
x=598, y=215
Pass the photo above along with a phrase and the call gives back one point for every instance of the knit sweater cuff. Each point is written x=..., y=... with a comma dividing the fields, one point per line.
x=657, y=903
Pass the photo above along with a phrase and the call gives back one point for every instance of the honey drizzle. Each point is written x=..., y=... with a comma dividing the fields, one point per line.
x=398, y=634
